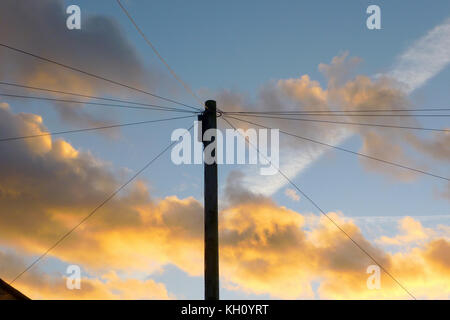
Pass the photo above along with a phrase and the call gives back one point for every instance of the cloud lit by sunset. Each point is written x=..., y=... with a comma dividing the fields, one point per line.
x=378, y=196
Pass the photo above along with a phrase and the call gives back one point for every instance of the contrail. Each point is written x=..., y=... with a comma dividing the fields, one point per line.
x=424, y=59
x=420, y=62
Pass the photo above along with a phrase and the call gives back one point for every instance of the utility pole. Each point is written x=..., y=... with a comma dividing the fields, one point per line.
x=209, y=121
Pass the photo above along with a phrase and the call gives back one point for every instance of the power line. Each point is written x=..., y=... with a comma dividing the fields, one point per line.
x=326, y=215
x=95, y=210
x=96, y=76
x=346, y=115
x=346, y=150
x=344, y=111
x=160, y=57
x=158, y=108
x=90, y=129
x=348, y=123
x=94, y=97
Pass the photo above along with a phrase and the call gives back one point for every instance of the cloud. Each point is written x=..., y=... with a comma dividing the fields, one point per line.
x=292, y=194
x=344, y=92
x=99, y=47
x=424, y=59
x=445, y=194
x=286, y=95
x=40, y=285
x=54, y=186
x=378, y=145
x=269, y=249
x=411, y=231
x=437, y=253
x=47, y=186
x=438, y=146
x=340, y=70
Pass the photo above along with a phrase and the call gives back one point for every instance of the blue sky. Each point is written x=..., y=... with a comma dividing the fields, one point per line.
x=250, y=44
x=242, y=47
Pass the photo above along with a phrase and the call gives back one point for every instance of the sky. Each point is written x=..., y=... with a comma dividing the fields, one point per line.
x=257, y=55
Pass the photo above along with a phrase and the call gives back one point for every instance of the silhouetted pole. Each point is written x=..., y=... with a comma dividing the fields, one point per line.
x=209, y=121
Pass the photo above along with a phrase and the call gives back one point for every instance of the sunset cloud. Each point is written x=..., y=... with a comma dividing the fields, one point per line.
x=39, y=285
x=48, y=186
x=345, y=90
x=100, y=48
x=292, y=194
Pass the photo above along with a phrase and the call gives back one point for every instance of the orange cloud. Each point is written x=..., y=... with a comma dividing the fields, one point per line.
x=38, y=285
x=101, y=48
x=345, y=92
x=411, y=231
x=47, y=186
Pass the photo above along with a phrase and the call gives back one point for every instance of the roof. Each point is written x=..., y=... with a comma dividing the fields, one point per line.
x=7, y=292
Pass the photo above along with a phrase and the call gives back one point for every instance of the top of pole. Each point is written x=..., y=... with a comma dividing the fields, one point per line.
x=210, y=105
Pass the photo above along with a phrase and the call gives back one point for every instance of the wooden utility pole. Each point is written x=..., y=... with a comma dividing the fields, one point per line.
x=209, y=121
